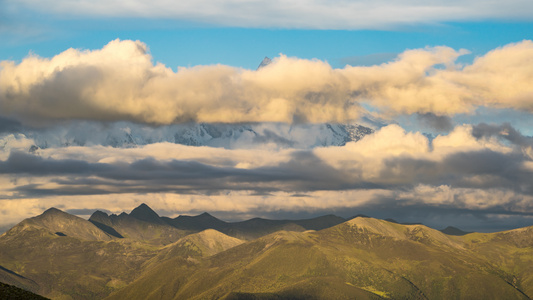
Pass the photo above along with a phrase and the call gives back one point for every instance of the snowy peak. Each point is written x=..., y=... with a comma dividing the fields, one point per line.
x=266, y=61
x=229, y=136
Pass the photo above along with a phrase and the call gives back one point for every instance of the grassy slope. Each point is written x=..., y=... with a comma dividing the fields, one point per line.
x=365, y=258
x=67, y=267
x=10, y=292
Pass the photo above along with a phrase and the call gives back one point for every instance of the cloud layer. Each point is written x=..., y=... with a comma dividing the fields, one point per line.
x=120, y=82
x=88, y=107
x=482, y=169
x=297, y=14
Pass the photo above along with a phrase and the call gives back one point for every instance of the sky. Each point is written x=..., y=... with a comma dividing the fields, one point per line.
x=94, y=96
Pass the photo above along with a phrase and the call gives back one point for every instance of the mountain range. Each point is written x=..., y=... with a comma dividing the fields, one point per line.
x=128, y=134
x=141, y=255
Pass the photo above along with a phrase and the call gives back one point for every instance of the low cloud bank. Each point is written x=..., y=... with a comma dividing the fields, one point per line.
x=483, y=169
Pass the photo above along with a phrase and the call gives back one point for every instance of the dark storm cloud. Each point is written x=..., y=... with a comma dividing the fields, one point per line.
x=303, y=172
x=409, y=171
x=24, y=163
x=483, y=162
x=9, y=125
x=489, y=168
x=441, y=123
x=503, y=131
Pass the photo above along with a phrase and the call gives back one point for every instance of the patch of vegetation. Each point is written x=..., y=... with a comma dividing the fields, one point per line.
x=10, y=292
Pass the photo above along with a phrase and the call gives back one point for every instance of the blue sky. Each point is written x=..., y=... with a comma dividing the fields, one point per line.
x=47, y=28
x=194, y=44
x=450, y=82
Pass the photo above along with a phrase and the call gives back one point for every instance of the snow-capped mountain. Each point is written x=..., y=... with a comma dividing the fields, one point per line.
x=231, y=136
x=266, y=61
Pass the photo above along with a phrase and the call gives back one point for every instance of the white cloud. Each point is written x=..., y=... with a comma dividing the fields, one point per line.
x=120, y=82
x=338, y=14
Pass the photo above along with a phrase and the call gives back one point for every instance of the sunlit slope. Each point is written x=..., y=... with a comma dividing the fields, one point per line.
x=202, y=244
x=195, y=246
x=435, y=264
x=363, y=258
x=81, y=263
x=141, y=256
x=511, y=252
x=58, y=223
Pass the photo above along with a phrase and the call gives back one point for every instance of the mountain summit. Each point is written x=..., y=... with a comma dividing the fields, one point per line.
x=266, y=61
x=144, y=213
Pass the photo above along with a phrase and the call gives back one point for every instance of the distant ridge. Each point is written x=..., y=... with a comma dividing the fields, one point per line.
x=127, y=225
x=142, y=224
x=450, y=230
x=198, y=223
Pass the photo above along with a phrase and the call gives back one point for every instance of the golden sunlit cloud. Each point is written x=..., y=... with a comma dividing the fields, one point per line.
x=120, y=82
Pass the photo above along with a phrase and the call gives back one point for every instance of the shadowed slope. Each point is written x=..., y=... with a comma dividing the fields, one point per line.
x=143, y=224
x=197, y=223
x=9, y=277
x=102, y=221
x=11, y=292
x=253, y=228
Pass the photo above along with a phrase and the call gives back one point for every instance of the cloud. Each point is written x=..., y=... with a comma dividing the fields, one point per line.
x=480, y=171
x=390, y=159
x=315, y=14
x=8, y=125
x=441, y=123
x=120, y=82
x=502, y=131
